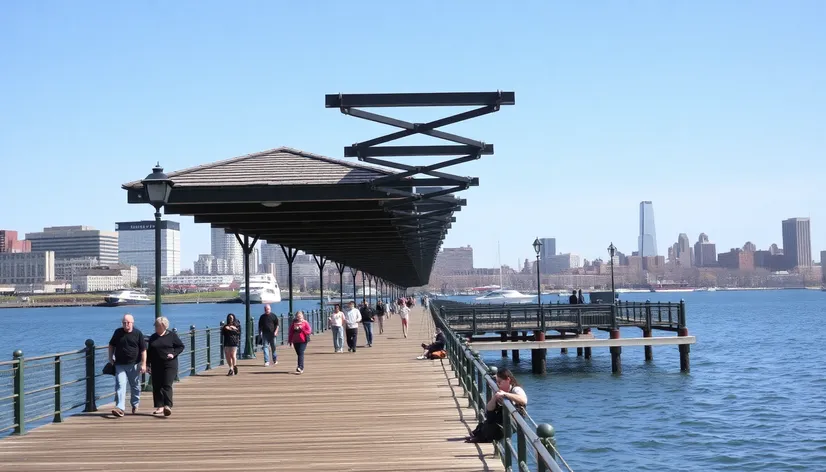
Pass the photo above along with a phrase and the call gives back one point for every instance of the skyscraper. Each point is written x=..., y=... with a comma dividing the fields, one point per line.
x=797, y=242
x=647, y=241
x=548, y=250
x=684, y=251
x=229, y=256
x=137, y=247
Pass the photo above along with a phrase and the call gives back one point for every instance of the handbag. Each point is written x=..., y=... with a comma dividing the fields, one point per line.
x=109, y=369
x=259, y=340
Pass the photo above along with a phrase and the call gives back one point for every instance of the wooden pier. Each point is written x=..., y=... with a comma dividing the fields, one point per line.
x=378, y=409
x=526, y=326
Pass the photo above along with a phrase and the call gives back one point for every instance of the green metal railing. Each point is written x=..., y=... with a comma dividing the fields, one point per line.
x=34, y=389
x=535, y=445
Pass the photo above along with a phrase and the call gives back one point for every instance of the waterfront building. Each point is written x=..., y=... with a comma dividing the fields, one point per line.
x=10, y=243
x=451, y=260
x=797, y=242
x=736, y=259
x=22, y=268
x=547, y=250
x=705, y=252
x=137, y=247
x=205, y=264
x=225, y=247
x=101, y=280
x=647, y=240
x=212, y=281
x=70, y=242
x=561, y=262
x=66, y=269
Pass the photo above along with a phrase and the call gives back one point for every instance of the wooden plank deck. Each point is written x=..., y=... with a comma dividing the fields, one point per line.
x=374, y=410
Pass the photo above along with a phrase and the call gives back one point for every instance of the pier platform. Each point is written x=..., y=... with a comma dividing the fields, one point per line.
x=582, y=342
x=378, y=409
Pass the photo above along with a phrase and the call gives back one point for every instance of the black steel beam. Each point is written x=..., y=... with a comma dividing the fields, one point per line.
x=419, y=99
x=403, y=151
x=264, y=193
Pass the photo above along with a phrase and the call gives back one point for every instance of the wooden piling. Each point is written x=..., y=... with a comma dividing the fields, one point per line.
x=504, y=337
x=587, y=350
x=616, y=354
x=685, y=365
x=538, y=362
x=515, y=352
x=649, y=352
x=579, y=352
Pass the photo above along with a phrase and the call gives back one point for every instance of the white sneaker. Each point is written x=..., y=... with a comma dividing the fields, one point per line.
x=266, y=364
x=420, y=357
x=276, y=362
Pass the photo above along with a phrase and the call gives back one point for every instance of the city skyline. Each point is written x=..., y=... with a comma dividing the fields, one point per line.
x=635, y=103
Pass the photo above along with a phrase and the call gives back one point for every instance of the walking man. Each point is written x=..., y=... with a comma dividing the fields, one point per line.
x=351, y=320
x=268, y=329
x=367, y=315
x=127, y=351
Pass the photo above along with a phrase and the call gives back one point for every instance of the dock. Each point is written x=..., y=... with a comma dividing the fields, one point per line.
x=379, y=409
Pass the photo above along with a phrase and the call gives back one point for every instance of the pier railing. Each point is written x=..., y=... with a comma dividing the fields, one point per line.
x=42, y=389
x=535, y=445
x=479, y=319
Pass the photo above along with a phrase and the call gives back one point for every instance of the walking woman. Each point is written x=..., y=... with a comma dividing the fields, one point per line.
x=231, y=334
x=404, y=313
x=336, y=323
x=162, y=354
x=299, y=337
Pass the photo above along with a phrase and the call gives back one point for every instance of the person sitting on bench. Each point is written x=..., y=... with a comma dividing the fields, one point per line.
x=437, y=345
x=491, y=429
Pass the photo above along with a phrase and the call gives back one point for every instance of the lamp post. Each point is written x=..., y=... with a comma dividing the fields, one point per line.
x=612, y=250
x=537, y=246
x=157, y=186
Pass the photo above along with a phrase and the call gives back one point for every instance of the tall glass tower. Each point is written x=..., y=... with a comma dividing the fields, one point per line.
x=647, y=241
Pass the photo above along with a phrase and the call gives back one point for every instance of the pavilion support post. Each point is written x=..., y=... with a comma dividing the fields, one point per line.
x=340, y=268
x=290, y=254
x=249, y=339
x=321, y=262
x=370, y=289
x=538, y=363
x=363, y=290
x=355, y=297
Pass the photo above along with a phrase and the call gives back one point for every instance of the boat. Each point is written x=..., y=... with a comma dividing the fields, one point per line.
x=505, y=296
x=263, y=289
x=126, y=297
x=602, y=296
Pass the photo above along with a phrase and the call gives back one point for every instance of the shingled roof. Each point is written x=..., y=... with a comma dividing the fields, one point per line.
x=319, y=205
x=279, y=166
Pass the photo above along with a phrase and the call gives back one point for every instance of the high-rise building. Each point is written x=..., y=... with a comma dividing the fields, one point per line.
x=548, y=249
x=137, y=247
x=204, y=265
x=451, y=260
x=705, y=252
x=225, y=247
x=797, y=242
x=10, y=243
x=273, y=258
x=562, y=262
x=647, y=241
x=71, y=242
x=684, y=251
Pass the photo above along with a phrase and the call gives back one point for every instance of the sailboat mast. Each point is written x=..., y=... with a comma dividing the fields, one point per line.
x=499, y=261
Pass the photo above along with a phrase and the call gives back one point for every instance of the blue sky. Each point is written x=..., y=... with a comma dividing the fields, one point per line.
x=715, y=111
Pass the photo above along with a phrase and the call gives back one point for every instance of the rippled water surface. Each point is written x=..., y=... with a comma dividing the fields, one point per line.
x=755, y=398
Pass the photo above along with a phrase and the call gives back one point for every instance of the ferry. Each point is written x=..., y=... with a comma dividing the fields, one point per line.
x=263, y=289
x=126, y=297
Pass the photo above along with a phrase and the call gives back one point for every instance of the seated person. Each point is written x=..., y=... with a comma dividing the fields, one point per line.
x=491, y=429
x=437, y=345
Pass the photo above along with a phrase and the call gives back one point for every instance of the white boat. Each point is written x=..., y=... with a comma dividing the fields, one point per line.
x=263, y=289
x=126, y=297
x=505, y=296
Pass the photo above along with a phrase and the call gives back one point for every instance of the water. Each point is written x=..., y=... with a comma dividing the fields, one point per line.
x=754, y=400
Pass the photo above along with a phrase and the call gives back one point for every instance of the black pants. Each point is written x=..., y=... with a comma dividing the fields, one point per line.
x=352, y=337
x=163, y=375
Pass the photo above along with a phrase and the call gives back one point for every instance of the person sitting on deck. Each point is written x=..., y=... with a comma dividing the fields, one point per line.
x=491, y=429
x=438, y=345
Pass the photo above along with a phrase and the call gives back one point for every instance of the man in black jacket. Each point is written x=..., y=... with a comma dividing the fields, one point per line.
x=268, y=329
x=367, y=315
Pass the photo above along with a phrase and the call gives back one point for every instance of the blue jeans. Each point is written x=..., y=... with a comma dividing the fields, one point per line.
x=299, y=350
x=127, y=373
x=368, y=331
x=338, y=338
x=269, y=343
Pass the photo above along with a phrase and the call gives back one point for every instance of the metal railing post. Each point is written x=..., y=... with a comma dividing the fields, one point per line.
x=221, y=344
x=546, y=435
x=521, y=448
x=58, y=404
x=507, y=426
x=177, y=378
x=91, y=403
x=192, y=350
x=19, y=395
x=209, y=348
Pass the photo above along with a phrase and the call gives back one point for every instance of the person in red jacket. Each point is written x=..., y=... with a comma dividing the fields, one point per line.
x=299, y=337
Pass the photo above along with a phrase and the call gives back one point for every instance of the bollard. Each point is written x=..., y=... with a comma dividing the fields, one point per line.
x=192, y=350
x=91, y=403
x=19, y=395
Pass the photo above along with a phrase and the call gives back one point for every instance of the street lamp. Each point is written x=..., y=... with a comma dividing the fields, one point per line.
x=612, y=250
x=157, y=186
x=537, y=246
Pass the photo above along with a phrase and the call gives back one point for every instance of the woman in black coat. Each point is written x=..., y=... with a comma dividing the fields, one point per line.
x=231, y=339
x=162, y=355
